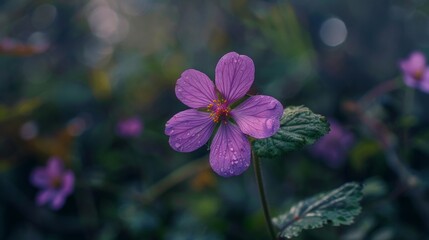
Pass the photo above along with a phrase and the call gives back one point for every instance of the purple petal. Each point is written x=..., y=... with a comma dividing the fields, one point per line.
x=58, y=201
x=229, y=151
x=39, y=177
x=410, y=81
x=334, y=146
x=54, y=167
x=44, y=196
x=234, y=76
x=195, y=89
x=424, y=85
x=259, y=116
x=415, y=63
x=68, y=182
x=189, y=130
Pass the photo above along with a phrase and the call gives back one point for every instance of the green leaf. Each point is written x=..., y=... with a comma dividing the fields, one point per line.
x=338, y=207
x=299, y=126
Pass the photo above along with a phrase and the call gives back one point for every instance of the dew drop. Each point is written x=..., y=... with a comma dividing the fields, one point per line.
x=270, y=124
x=179, y=90
x=177, y=145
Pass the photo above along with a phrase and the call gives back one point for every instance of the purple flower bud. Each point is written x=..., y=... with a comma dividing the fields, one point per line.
x=129, y=127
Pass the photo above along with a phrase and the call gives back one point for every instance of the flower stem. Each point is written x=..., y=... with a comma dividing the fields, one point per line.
x=258, y=174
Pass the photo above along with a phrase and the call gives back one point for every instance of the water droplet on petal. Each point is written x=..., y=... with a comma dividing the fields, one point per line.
x=270, y=124
x=177, y=145
x=179, y=90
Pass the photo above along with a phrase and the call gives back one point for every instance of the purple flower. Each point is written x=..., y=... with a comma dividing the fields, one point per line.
x=416, y=73
x=334, y=146
x=55, y=183
x=129, y=127
x=214, y=107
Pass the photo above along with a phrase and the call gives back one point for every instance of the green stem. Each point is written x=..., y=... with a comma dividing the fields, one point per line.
x=258, y=174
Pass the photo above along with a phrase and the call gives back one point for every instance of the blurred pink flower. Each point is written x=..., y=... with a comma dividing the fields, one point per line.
x=334, y=146
x=129, y=127
x=212, y=105
x=55, y=183
x=416, y=73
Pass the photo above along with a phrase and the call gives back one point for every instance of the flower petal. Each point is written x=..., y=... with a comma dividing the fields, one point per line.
x=44, y=196
x=259, y=116
x=67, y=182
x=58, y=201
x=424, y=85
x=39, y=177
x=230, y=151
x=415, y=63
x=410, y=81
x=195, y=89
x=54, y=167
x=189, y=130
x=234, y=76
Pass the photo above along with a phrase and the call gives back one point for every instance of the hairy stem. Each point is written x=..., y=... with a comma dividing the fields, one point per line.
x=258, y=174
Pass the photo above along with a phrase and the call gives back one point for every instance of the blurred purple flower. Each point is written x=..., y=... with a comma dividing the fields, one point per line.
x=334, y=146
x=55, y=183
x=416, y=73
x=258, y=116
x=129, y=127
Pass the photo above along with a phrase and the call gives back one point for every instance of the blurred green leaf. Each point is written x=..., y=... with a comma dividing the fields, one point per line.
x=24, y=107
x=338, y=206
x=299, y=126
x=363, y=152
x=374, y=187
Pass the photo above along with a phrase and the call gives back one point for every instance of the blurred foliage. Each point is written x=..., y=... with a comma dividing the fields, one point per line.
x=73, y=69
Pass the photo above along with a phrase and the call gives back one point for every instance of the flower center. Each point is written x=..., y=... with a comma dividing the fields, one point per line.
x=56, y=182
x=219, y=110
x=418, y=75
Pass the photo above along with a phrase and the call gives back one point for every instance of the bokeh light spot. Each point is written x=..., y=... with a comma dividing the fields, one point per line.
x=333, y=32
x=29, y=130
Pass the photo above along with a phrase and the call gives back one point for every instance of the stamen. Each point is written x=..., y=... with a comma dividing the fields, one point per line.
x=418, y=75
x=219, y=110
